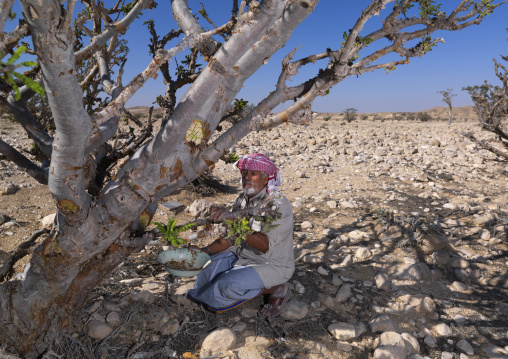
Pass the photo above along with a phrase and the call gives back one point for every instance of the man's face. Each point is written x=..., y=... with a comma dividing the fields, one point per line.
x=253, y=182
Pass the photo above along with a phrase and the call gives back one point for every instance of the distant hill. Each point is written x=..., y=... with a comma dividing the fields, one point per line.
x=465, y=113
x=459, y=113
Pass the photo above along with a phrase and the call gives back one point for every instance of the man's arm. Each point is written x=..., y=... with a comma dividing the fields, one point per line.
x=219, y=245
x=259, y=241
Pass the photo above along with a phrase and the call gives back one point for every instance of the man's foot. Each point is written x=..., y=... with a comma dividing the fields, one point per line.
x=277, y=299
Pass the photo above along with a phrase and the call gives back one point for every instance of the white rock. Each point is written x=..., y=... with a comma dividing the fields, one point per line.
x=441, y=330
x=297, y=204
x=458, y=286
x=8, y=188
x=430, y=341
x=294, y=310
x=360, y=328
x=299, y=288
x=47, y=222
x=113, y=318
x=458, y=318
x=332, y=204
x=391, y=346
x=344, y=293
x=239, y=327
x=383, y=281
x=357, y=235
x=220, y=340
x=382, y=323
x=199, y=208
x=143, y=296
x=485, y=235
x=344, y=347
x=98, y=330
x=306, y=225
x=363, y=253
x=465, y=347
x=322, y=271
x=446, y=355
x=494, y=352
x=411, y=343
x=342, y=331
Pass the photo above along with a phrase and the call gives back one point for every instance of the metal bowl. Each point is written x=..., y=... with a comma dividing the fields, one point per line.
x=184, y=262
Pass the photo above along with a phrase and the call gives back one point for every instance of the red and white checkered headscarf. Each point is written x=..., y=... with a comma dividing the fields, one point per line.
x=259, y=162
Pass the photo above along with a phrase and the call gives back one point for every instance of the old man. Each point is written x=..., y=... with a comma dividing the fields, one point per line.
x=264, y=262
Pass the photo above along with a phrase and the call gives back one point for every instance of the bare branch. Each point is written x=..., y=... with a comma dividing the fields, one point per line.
x=10, y=259
x=5, y=11
x=487, y=146
x=116, y=28
x=31, y=126
x=38, y=173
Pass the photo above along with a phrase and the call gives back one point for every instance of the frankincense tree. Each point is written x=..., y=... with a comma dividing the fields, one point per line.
x=491, y=105
x=98, y=221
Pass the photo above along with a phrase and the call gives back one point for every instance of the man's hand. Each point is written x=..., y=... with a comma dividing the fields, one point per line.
x=218, y=214
x=219, y=245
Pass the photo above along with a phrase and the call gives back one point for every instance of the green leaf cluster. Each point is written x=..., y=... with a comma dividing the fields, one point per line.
x=487, y=8
x=238, y=229
x=171, y=232
x=232, y=157
x=8, y=77
x=429, y=9
x=240, y=104
x=405, y=7
x=426, y=44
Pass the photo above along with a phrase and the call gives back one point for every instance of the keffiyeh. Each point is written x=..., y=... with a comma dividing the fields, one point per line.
x=259, y=162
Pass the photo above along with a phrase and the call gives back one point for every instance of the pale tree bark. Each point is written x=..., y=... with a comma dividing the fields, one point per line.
x=94, y=233
x=447, y=98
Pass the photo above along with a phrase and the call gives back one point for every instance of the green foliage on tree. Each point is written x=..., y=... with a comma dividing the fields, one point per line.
x=171, y=232
x=10, y=73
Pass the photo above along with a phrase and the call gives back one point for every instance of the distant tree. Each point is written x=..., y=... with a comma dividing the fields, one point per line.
x=447, y=98
x=350, y=114
x=102, y=219
x=491, y=106
x=423, y=116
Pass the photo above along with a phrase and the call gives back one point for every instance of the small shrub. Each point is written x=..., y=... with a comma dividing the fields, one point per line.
x=423, y=116
x=350, y=114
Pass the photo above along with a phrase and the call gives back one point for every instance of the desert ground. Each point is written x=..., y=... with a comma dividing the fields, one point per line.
x=400, y=240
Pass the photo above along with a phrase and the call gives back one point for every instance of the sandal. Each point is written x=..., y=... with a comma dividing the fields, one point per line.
x=275, y=305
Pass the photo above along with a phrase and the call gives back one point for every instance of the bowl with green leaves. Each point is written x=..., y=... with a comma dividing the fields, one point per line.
x=184, y=262
x=181, y=262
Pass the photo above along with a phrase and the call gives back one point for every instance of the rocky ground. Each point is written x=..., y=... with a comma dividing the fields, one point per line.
x=400, y=240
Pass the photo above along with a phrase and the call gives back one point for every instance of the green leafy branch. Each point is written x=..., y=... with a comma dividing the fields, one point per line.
x=405, y=7
x=487, y=8
x=171, y=232
x=428, y=9
x=358, y=42
x=9, y=69
x=239, y=228
x=426, y=44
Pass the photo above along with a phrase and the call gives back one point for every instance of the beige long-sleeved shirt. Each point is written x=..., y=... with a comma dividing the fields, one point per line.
x=277, y=265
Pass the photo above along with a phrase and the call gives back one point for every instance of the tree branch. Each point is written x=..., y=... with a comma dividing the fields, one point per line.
x=10, y=259
x=38, y=173
x=116, y=28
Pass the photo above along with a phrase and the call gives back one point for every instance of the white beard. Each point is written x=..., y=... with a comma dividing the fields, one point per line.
x=249, y=192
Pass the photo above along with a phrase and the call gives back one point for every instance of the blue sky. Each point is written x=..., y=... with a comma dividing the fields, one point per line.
x=464, y=59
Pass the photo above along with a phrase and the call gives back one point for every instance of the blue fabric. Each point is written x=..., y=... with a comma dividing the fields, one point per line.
x=221, y=286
